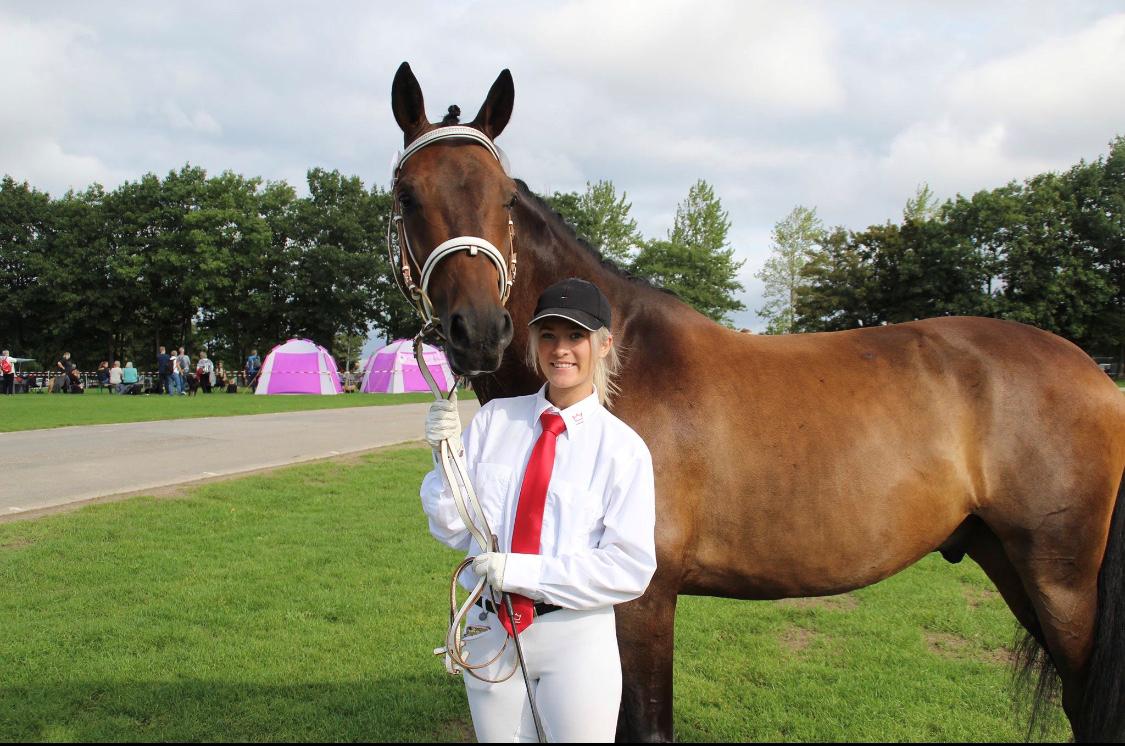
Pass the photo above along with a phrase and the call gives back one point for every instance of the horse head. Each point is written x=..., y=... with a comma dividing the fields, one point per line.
x=453, y=214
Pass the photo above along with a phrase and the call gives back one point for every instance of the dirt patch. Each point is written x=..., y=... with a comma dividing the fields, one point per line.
x=976, y=597
x=796, y=639
x=947, y=645
x=843, y=602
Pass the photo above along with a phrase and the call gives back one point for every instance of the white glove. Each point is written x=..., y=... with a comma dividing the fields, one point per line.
x=491, y=565
x=443, y=422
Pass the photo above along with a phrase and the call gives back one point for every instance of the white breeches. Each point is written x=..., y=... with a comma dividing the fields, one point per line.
x=575, y=667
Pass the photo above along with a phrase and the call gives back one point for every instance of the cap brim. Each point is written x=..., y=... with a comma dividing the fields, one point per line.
x=583, y=319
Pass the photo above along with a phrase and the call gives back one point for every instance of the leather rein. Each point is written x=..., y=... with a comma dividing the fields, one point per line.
x=450, y=455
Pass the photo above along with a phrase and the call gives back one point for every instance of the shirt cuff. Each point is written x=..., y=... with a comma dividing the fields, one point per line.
x=521, y=575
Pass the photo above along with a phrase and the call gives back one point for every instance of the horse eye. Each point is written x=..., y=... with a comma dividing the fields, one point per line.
x=512, y=202
x=405, y=201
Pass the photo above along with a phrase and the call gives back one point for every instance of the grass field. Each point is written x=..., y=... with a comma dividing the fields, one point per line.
x=33, y=411
x=303, y=605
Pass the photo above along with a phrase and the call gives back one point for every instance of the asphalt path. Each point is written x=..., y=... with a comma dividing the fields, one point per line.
x=44, y=469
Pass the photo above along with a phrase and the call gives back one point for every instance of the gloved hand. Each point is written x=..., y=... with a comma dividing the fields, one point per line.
x=491, y=565
x=443, y=422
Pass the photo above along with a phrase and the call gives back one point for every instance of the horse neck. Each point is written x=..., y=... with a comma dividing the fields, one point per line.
x=549, y=251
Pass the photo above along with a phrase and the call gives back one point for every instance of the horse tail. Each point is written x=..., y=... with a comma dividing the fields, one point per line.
x=1102, y=718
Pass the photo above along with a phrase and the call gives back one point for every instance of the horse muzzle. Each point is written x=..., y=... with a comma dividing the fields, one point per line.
x=476, y=339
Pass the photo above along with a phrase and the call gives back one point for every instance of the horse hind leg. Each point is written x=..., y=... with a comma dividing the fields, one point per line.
x=1059, y=561
x=1035, y=674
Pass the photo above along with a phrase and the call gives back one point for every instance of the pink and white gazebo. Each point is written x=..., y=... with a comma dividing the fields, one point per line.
x=393, y=369
x=300, y=366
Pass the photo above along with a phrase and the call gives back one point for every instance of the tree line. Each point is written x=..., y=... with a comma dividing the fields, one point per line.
x=223, y=263
x=228, y=263
x=1048, y=251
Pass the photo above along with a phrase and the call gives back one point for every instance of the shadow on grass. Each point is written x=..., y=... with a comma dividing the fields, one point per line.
x=419, y=709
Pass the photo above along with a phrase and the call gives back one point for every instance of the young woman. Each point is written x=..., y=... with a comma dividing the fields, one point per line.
x=568, y=490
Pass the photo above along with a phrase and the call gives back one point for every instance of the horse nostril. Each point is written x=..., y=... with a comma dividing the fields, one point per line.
x=506, y=328
x=458, y=331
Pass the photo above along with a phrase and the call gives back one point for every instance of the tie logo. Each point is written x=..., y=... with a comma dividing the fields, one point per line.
x=519, y=617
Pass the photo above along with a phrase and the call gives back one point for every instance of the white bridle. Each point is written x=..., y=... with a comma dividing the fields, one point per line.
x=398, y=239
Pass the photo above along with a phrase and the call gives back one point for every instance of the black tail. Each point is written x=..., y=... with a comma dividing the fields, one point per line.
x=1103, y=708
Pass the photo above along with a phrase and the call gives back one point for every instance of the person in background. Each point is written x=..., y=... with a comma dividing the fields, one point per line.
x=220, y=375
x=103, y=374
x=164, y=369
x=129, y=377
x=205, y=372
x=253, y=364
x=8, y=369
x=67, y=367
x=185, y=370
x=115, y=386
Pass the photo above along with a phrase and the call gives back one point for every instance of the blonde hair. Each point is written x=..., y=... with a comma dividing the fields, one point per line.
x=605, y=368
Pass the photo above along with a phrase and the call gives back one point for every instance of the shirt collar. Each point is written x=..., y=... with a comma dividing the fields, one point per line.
x=575, y=416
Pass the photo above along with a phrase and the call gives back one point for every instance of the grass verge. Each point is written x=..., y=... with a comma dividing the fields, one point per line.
x=36, y=411
x=302, y=605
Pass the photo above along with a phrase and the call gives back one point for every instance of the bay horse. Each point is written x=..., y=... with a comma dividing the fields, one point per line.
x=804, y=464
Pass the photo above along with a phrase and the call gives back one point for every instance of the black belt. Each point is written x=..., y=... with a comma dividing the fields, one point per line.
x=540, y=607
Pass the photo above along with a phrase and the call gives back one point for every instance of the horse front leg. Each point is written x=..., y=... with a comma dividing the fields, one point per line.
x=645, y=635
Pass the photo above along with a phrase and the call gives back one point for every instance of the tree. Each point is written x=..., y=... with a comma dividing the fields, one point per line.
x=695, y=262
x=795, y=238
x=922, y=206
x=25, y=219
x=601, y=218
x=338, y=233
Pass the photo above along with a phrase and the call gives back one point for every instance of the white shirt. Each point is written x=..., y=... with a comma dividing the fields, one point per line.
x=597, y=546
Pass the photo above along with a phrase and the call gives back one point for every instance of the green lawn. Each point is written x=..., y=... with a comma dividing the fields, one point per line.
x=303, y=604
x=33, y=411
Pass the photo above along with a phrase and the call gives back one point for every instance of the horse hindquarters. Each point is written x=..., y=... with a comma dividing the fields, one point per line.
x=1102, y=715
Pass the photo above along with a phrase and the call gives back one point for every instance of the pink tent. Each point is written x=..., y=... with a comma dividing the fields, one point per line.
x=393, y=369
x=300, y=366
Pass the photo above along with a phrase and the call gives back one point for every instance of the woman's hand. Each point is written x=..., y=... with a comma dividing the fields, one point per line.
x=443, y=422
x=491, y=565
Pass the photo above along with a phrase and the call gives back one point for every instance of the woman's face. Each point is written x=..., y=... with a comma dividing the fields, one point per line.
x=566, y=358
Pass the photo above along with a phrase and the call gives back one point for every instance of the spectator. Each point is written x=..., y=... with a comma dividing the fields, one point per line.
x=129, y=377
x=103, y=374
x=68, y=370
x=115, y=385
x=164, y=369
x=8, y=369
x=185, y=370
x=253, y=364
x=205, y=372
x=220, y=375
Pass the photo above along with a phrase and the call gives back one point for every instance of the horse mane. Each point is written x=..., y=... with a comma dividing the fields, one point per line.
x=555, y=218
x=453, y=116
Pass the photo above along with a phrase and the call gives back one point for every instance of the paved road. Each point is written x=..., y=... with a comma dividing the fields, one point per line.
x=47, y=468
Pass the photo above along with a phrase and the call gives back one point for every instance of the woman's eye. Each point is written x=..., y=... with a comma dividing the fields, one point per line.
x=577, y=336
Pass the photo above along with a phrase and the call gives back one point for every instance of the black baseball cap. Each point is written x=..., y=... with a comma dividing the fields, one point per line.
x=574, y=300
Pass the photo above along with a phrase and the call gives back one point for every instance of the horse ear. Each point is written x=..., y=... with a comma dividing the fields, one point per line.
x=497, y=108
x=407, y=103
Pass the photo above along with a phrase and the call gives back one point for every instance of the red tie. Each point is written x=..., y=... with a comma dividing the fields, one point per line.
x=529, y=511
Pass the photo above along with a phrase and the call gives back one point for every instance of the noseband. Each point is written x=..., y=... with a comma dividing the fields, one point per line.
x=400, y=252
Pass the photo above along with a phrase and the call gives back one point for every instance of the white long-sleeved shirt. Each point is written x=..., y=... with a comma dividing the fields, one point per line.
x=597, y=546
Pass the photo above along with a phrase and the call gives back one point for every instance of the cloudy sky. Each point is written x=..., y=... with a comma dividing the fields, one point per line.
x=846, y=107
